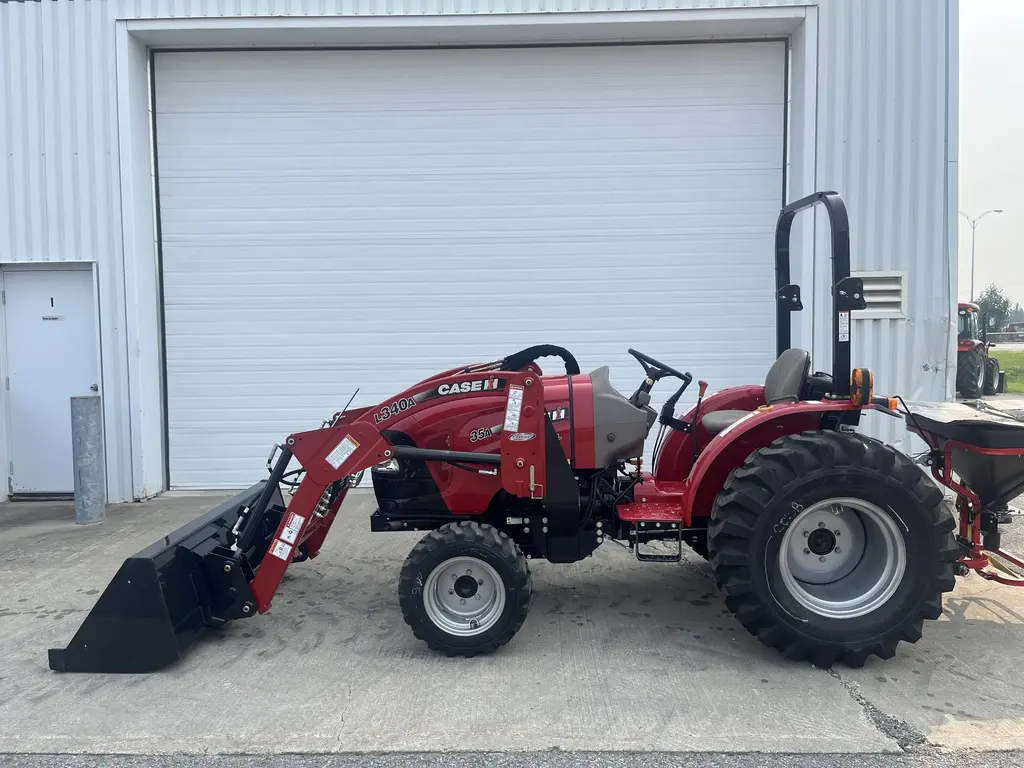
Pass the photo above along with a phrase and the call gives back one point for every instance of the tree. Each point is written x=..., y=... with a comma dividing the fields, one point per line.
x=995, y=307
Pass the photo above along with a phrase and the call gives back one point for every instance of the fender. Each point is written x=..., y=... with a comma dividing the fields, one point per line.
x=966, y=345
x=675, y=457
x=730, y=448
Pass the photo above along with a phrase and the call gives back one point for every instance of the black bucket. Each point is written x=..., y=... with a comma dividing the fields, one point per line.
x=163, y=598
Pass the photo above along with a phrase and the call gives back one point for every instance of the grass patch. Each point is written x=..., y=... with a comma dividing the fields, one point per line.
x=1012, y=361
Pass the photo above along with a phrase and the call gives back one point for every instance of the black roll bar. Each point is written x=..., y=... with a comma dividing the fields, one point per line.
x=847, y=292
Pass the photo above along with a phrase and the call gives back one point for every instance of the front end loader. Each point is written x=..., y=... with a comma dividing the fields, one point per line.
x=827, y=545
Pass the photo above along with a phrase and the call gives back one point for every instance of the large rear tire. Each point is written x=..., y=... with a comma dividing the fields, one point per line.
x=777, y=537
x=991, y=376
x=970, y=373
x=465, y=589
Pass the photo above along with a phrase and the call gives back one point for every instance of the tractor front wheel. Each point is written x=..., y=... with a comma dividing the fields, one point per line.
x=465, y=589
x=832, y=547
x=991, y=376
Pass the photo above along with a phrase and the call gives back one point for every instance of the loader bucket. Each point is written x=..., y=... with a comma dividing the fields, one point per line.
x=165, y=597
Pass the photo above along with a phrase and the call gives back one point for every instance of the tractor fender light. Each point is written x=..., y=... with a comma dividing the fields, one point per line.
x=862, y=386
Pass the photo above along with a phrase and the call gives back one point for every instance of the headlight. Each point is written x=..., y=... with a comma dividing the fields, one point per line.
x=390, y=466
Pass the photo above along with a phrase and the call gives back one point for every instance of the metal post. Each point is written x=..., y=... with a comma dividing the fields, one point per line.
x=974, y=227
x=974, y=231
x=87, y=451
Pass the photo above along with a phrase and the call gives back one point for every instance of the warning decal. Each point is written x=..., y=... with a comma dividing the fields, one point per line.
x=292, y=528
x=844, y=326
x=280, y=550
x=342, y=451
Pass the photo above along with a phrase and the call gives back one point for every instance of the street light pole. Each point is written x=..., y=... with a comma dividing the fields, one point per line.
x=974, y=227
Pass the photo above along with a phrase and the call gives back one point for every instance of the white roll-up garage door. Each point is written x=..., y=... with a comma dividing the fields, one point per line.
x=341, y=219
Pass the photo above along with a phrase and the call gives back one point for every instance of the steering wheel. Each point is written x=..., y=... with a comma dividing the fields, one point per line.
x=656, y=370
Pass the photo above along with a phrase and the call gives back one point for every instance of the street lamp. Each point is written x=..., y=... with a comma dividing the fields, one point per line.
x=974, y=226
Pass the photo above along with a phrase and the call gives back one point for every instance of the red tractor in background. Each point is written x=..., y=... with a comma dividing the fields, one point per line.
x=827, y=545
x=977, y=372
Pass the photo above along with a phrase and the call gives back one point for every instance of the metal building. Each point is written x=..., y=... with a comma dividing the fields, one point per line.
x=227, y=215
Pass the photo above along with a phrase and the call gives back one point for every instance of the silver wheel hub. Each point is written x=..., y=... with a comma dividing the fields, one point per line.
x=464, y=596
x=842, y=558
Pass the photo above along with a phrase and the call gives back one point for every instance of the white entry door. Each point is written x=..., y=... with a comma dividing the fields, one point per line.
x=51, y=357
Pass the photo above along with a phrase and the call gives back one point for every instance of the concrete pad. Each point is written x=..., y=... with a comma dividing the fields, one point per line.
x=962, y=685
x=616, y=655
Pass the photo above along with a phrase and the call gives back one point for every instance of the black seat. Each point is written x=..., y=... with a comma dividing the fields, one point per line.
x=783, y=384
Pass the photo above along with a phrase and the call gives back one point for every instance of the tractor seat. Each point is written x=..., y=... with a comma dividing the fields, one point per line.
x=783, y=384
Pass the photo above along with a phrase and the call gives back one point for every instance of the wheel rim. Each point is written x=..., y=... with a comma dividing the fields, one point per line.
x=842, y=558
x=981, y=374
x=464, y=596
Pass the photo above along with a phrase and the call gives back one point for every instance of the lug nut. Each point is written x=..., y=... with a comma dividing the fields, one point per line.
x=469, y=571
x=807, y=533
x=477, y=595
x=821, y=525
x=544, y=529
x=480, y=582
x=454, y=577
x=526, y=520
x=544, y=520
x=838, y=533
x=451, y=591
x=807, y=551
x=526, y=530
x=227, y=568
x=463, y=601
x=822, y=558
x=838, y=550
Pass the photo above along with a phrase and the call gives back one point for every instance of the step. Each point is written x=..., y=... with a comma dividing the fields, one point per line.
x=651, y=514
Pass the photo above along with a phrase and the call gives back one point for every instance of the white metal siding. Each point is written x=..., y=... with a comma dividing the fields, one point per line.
x=335, y=219
x=886, y=139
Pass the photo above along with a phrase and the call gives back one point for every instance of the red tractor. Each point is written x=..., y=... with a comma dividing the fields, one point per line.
x=827, y=545
x=977, y=372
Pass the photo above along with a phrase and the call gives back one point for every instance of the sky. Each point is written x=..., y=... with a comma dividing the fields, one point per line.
x=991, y=146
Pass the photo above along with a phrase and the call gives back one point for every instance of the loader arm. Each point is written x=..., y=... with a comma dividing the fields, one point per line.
x=330, y=456
x=228, y=563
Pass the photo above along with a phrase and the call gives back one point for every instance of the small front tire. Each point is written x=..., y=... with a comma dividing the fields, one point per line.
x=991, y=376
x=465, y=589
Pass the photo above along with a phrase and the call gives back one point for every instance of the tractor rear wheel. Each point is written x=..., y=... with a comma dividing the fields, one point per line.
x=991, y=376
x=832, y=547
x=970, y=373
x=465, y=589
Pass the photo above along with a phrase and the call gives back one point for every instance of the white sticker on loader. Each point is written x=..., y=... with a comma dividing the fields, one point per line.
x=513, y=408
x=844, y=326
x=342, y=451
x=280, y=550
x=291, y=530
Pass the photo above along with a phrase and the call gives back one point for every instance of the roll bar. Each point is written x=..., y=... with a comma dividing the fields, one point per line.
x=847, y=292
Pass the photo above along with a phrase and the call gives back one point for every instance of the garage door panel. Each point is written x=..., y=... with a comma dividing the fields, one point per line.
x=336, y=219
